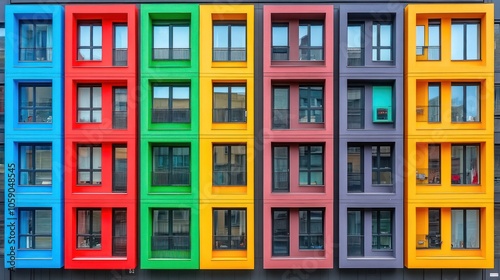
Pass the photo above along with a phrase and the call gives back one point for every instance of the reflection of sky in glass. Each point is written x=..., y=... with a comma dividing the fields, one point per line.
x=238, y=90
x=434, y=36
x=121, y=37
x=84, y=36
x=472, y=41
x=280, y=98
x=220, y=36
x=457, y=95
x=457, y=41
x=160, y=92
x=238, y=36
x=161, y=37
x=97, y=36
x=280, y=36
x=420, y=35
x=316, y=35
x=303, y=36
x=354, y=36
x=181, y=37
x=472, y=104
x=385, y=35
x=181, y=92
x=433, y=95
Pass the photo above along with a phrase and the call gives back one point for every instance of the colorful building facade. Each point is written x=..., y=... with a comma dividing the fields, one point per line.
x=145, y=138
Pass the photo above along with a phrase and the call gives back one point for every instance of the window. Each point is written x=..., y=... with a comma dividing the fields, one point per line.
x=171, y=104
x=382, y=164
x=281, y=232
x=355, y=233
x=311, y=40
x=35, y=228
x=311, y=165
x=2, y=61
x=35, y=103
x=355, y=108
x=280, y=49
x=355, y=180
x=465, y=40
x=382, y=41
x=229, y=229
x=311, y=229
x=171, y=165
x=88, y=228
x=281, y=169
x=465, y=101
x=434, y=164
x=171, y=41
x=355, y=44
x=89, y=104
x=497, y=47
x=89, y=165
x=382, y=229
x=90, y=41
x=119, y=107
x=434, y=236
x=229, y=104
x=229, y=41
x=35, y=164
x=171, y=231
x=120, y=45
x=119, y=168
x=229, y=165
x=465, y=165
x=311, y=104
x=35, y=40
x=432, y=50
x=434, y=95
x=497, y=169
x=382, y=104
x=119, y=230
x=281, y=107
x=465, y=225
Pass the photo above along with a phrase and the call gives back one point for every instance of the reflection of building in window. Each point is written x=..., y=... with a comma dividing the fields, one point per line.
x=229, y=229
x=465, y=164
x=89, y=165
x=229, y=165
x=35, y=228
x=35, y=40
x=35, y=164
x=311, y=228
x=171, y=233
x=88, y=228
x=35, y=103
x=465, y=228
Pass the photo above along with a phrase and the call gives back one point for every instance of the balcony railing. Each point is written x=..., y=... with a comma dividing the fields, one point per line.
x=355, y=245
x=234, y=54
x=170, y=178
x=171, y=53
x=281, y=118
x=428, y=176
x=229, y=178
x=281, y=181
x=229, y=115
x=355, y=56
x=119, y=119
x=355, y=182
x=119, y=246
x=119, y=181
x=35, y=54
x=428, y=113
x=120, y=57
x=355, y=118
x=281, y=245
x=171, y=116
x=179, y=242
x=280, y=53
x=431, y=52
x=227, y=242
x=311, y=53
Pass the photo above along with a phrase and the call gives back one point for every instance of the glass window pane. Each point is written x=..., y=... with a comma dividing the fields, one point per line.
x=385, y=35
x=181, y=37
x=434, y=36
x=84, y=38
x=221, y=33
x=280, y=36
x=161, y=37
x=354, y=36
x=472, y=109
x=96, y=97
x=96, y=36
x=121, y=36
x=83, y=97
x=96, y=54
x=472, y=228
x=457, y=228
x=83, y=157
x=303, y=36
x=238, y=36
x=457, y=103
x=316, y=35
x=375, y=31
x=420, y=37
x=472, y=41
x=457, y=41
